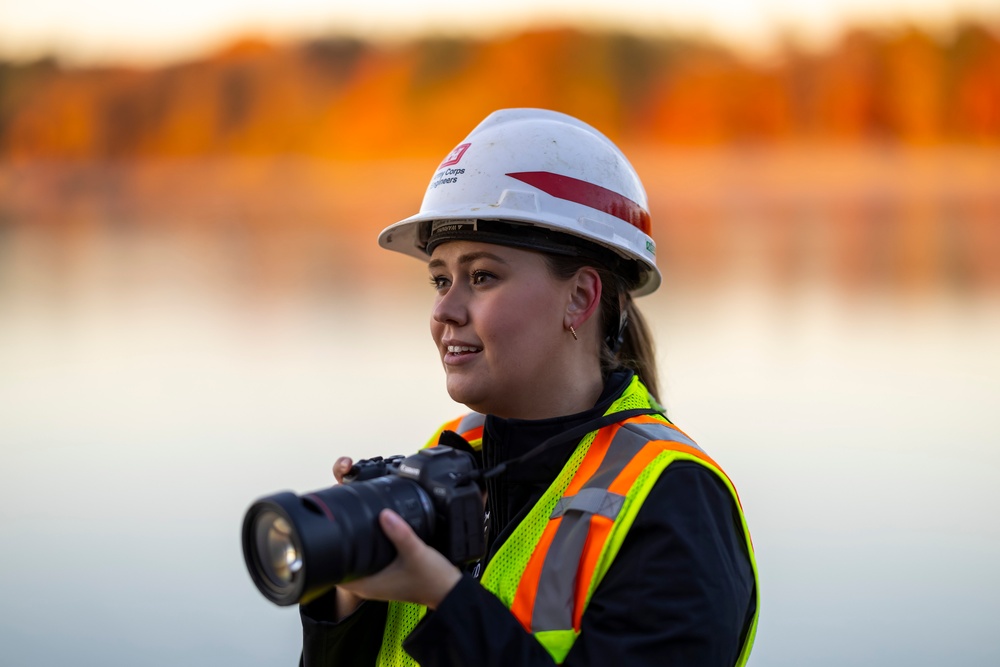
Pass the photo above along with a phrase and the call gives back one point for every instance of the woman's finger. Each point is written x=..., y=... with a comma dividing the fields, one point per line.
x=341, y=467
x=398, y=531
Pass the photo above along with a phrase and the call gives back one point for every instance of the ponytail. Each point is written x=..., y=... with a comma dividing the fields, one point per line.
x=637, y=351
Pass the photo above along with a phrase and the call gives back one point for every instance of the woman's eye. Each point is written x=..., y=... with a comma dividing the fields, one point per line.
x=439, y=282
x=481, y=277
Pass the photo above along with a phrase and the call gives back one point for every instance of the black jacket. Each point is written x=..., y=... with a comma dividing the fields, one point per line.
x=679, y=592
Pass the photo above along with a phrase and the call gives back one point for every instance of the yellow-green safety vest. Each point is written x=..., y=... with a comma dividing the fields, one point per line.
x=582, y=518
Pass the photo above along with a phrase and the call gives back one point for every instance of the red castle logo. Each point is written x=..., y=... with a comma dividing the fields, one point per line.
x=454, y=156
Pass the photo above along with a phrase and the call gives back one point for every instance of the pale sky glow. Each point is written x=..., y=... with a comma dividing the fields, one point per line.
x=125, y=30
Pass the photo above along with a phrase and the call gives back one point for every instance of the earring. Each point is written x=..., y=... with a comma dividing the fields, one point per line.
x=573, y=331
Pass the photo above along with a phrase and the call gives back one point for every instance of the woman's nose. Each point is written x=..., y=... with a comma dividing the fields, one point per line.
x=450, y=308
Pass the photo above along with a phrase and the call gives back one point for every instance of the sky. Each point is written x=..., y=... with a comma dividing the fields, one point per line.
x=103, y=31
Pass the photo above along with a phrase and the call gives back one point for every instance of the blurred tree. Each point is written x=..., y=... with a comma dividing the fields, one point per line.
x=913, y=84
x=845, y=91
x=346, y=98
x=973, y=94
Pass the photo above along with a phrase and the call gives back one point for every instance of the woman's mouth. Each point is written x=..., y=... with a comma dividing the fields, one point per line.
x=462, y=349
x=458, y=355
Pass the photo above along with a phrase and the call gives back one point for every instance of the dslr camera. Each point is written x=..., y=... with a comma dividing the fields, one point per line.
x=298, y=547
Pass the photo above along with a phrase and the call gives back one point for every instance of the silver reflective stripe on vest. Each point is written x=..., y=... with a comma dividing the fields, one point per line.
x=471, y=421
x=591, y=501
x=557, y=582
x=663, y=432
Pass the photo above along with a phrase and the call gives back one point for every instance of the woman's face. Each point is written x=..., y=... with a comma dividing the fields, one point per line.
x=499, y=325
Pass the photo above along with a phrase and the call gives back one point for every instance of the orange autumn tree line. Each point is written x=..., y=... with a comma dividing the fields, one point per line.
x=346, y=98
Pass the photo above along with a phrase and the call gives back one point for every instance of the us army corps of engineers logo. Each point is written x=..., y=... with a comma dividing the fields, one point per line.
x=447, y=172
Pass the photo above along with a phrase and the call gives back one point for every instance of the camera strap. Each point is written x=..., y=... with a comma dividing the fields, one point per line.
x=572, y=434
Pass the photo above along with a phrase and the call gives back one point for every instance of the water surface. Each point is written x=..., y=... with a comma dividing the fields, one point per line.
x=149, y=391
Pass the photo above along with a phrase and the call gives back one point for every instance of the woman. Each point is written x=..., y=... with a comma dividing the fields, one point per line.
x=612, y=538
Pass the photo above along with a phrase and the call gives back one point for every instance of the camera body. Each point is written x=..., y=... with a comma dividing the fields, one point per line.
x=372, y=468
x=298, y=547
x=442, y=472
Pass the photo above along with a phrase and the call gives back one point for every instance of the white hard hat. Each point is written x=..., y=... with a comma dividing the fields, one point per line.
x=537, y=179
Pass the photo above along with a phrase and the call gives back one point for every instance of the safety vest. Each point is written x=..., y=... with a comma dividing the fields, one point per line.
x=582, y=518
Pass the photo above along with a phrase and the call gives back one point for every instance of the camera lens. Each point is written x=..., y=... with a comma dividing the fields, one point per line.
x=298, y=547
x=280, y=557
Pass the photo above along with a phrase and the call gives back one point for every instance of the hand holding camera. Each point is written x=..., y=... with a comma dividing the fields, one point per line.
x=297, y=548
x=414, y=566
x=418, y=574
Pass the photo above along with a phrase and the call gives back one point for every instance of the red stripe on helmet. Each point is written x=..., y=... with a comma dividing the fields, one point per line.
x=588, y=194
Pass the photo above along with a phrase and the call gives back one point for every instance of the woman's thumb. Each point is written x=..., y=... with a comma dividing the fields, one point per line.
x=396, y=529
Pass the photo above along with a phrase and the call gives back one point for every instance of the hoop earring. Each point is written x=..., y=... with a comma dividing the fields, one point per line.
x=573, y=331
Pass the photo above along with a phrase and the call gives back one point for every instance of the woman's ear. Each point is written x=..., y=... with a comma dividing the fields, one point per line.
x=584, y=297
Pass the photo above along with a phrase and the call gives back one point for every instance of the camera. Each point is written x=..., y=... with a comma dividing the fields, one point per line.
x=298, y=547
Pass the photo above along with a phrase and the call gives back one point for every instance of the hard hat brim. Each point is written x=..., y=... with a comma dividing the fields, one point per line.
x=407, y=237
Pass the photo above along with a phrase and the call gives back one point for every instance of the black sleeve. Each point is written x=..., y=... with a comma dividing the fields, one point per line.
x=680, y=592
x=352, y=642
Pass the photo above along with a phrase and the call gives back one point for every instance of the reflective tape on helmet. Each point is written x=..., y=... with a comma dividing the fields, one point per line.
x=588, y=194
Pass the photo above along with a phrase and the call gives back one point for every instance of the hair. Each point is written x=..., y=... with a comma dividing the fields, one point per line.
x=637, y=352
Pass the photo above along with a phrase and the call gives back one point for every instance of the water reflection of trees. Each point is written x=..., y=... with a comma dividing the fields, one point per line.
x=860, y=219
